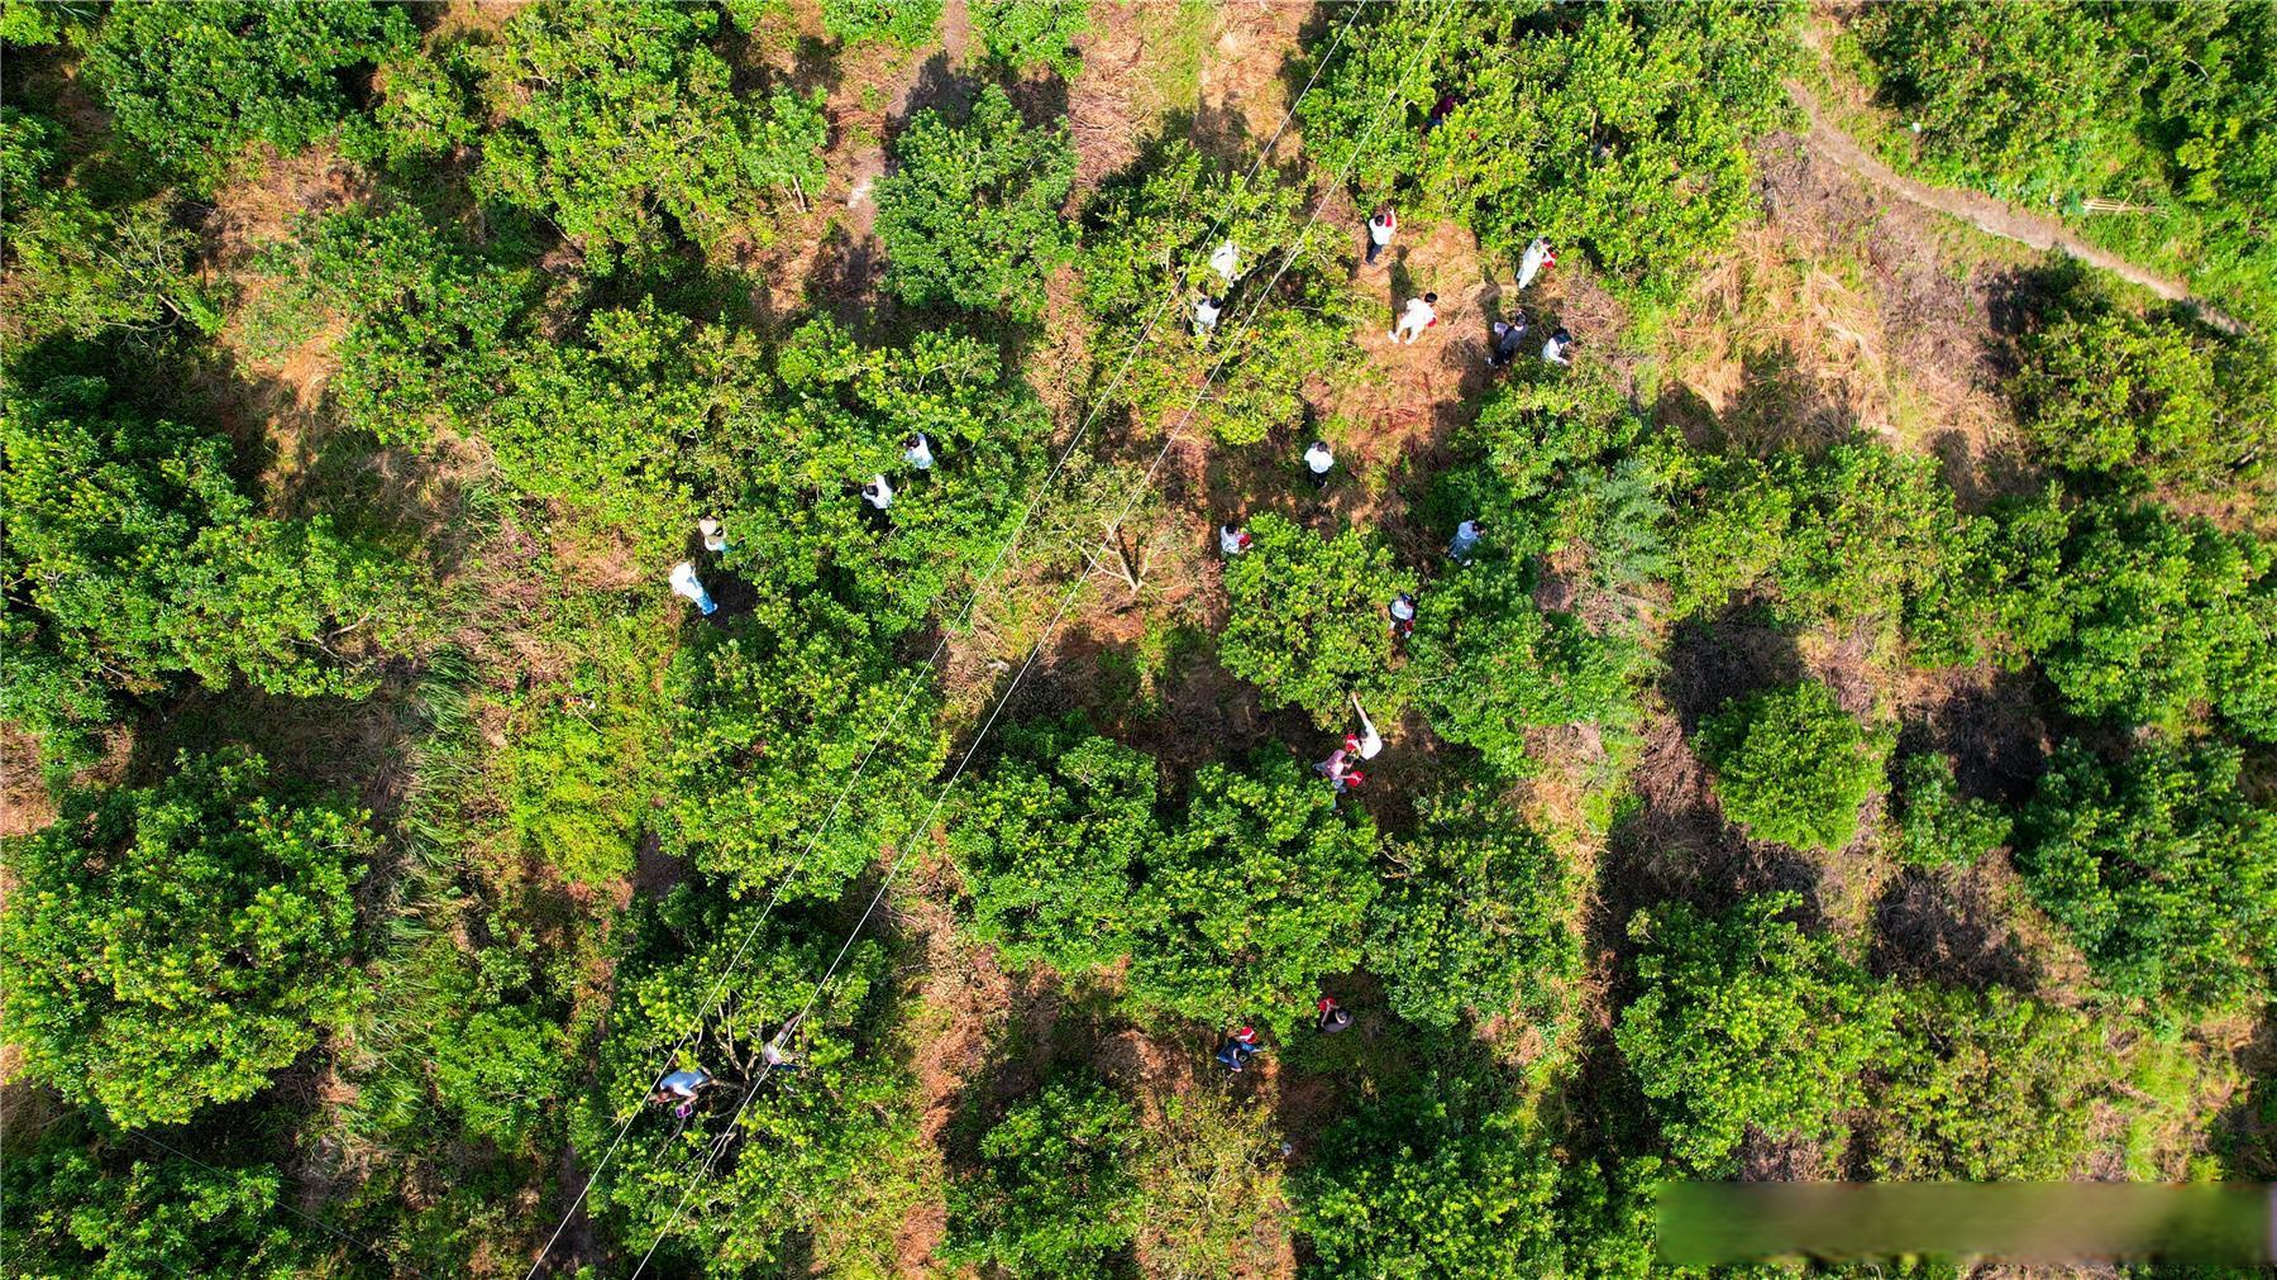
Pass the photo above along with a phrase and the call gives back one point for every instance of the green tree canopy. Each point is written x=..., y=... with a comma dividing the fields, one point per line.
x=1055, y=1193
x=71, y=1214
x=1743, y=1025
x=194, y=83
x=1792, y=766
x=2162, y=869
x=618, y=114
x=176, y=945
x=970, y=214
x=1307, y=624
x=1026, y=34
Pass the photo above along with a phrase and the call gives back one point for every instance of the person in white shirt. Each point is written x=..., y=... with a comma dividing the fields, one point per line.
x=686, y=585
x=1466, y=541
x=1232, y=540
x=1319, y=461
x=918, y=452
x=1206, y=309
x=714, y=540
x=1367, y=744
x=878, y=493
x=1537, y=256
x=1421, y=314
x=1558, y=350
x=1226, y=261
x=1380, y=229
x=1402, y=616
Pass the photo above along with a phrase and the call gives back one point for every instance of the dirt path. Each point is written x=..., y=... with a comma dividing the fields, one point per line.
x=1988, y=214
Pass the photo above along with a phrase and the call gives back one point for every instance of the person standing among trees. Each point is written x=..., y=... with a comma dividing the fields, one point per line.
x=1421, y=314
x=1334, y=1017
x=714, y=540
x=1319, y=461
x=1558, y=350
x=1233, y=540
x=681, y=1087
x=1465, y=541
x=1402, y=612
x=1509, y=336
x=878, y=493
x=1226, y=261
x=686, y=584
x=918, y=452
x=1367, y=744
x=1537, y=256
x=1206, y=309
x=1380, y=228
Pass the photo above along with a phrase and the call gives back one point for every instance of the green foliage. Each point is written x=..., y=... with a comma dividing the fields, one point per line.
x=1936, y=826
x=1026, y=34
x=832, y=1135
x=1489, y=664
x=616, y=115
x=428, y=107
x=1212, y=1173
x=2162, y=869
x=194, y=83
x=1046, y=841
x=908, y=23
x=775, y=716
x=70, y=1215
x=1619, y=130
x=1259, y=894
x=1792, y=766
x=139, y=558
x=1425, y=1185
x=1479, y=920
x=1306, y=621
x=1745, y=1025
x=2169, y=107
x=429, y=337
x=971, y=213
x=2148, y=402
x=174, y=946
x=1146, y=256
x=1987, y=1087
x=1055, y=1193
x=1234, y=909
x=500, y=1070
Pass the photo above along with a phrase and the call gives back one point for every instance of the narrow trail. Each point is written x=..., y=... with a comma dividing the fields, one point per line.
x=1990, y=215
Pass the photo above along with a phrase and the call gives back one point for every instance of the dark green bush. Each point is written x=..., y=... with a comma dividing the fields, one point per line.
x=2162, y=869
x=194, y=83
x=1307, y=624
x=175, y=946
x=1792, y=766
x=1990, y=1086
x=908, y=23
x=970, y=214
x=1936, y=826
x=70, y=1214
x=1026, y=34
x=1055, y=1193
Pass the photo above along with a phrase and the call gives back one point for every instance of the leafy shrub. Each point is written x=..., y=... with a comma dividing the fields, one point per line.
x=616, y=112
x=1258, y=895
x=69, y=1214
x=1046, y=840
x=1936, y=827
x=1055, y=1194
x=1145, y=256
x=431, y=328
x=908, y=23
x=775, y=716
x=2149, y=402
x=1619, y=131
x=1983, y=1087
x=1307, y=624
x=1026, y=34
x=820, y=1153
x=971, y=213
x=428, y=104
x=1419, y=1185
x=176, y=945
x=1212, y=1173
x=1792, y=766
x=500, y=1070
x=1490, y=664
x=141, y=559
x=193, y=84
x=1480, y=919
x=2161, y=868
x=1745, y=1025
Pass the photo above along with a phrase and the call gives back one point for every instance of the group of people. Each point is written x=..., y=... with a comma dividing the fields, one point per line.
x=1241, y=1044
x=681, y=1089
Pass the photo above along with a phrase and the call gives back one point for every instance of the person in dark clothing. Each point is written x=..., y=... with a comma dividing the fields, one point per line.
x=1509, y=337
x=1439, y=113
